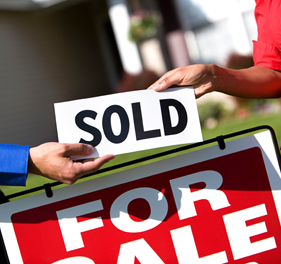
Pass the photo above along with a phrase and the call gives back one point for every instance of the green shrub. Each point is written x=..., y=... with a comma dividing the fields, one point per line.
x=211, y=111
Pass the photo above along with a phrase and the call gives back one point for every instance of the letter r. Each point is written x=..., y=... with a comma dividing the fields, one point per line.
x=185, y=199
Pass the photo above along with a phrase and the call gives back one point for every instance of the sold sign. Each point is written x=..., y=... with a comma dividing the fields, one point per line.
x=208, y=206
x=132, y=121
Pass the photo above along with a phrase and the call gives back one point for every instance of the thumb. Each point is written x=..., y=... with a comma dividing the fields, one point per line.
x=78, y=149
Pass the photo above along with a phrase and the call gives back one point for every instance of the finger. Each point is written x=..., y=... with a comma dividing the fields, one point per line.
x=158, y=84
x=167, y=80
x=89, y=166
x=78, y=149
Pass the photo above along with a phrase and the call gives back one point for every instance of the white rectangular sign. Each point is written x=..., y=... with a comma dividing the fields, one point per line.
x=132, y=121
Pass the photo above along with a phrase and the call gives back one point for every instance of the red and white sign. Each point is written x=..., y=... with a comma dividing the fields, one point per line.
x=208, y=206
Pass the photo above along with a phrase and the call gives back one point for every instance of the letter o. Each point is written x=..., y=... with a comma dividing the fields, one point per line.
x=158, y=210
x=106, y=123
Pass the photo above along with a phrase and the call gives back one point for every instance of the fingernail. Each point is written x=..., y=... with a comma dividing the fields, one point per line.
x=158, y=86
x=90, y=148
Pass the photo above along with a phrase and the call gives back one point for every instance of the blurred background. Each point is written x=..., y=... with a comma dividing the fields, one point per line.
x=59, y=50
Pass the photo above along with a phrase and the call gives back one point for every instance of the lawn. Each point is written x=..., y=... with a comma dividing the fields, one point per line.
x=223, y=128
x=230, y=126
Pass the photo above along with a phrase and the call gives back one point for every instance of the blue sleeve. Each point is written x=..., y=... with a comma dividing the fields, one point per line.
x=13, y=164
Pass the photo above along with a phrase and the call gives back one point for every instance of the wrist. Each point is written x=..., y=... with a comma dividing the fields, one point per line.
x=31, y=165
x=215, y=72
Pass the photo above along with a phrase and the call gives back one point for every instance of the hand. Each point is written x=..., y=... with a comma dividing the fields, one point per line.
x=52, y=160
x=200, y=76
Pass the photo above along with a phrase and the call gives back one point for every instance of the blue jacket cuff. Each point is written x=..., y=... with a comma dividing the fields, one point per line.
x=13, y=164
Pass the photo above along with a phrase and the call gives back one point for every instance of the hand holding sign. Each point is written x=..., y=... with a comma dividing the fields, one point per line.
x=139, y=120
x=52, y=160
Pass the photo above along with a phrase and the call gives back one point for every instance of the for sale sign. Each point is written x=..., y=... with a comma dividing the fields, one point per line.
x=208, y=206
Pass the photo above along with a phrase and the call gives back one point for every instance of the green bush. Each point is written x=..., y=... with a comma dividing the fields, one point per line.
x=211, y=110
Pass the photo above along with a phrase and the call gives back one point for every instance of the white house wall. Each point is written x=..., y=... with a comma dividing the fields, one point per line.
x=120, y=20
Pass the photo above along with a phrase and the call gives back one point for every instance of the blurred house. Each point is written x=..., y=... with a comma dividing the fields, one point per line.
x=214, y=29
x=60, y=50
x=51, y=51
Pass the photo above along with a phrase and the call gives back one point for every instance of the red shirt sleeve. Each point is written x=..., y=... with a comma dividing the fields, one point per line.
x=267, y=49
